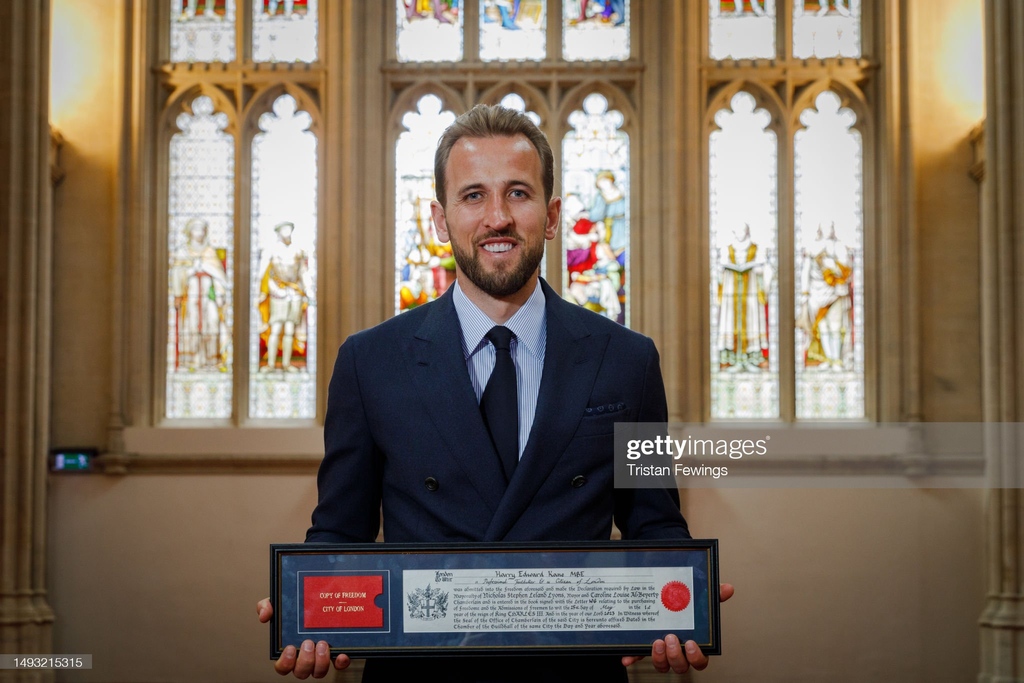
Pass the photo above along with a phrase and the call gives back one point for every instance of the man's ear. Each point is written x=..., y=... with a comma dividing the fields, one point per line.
x=554, y=213
x=440, y=223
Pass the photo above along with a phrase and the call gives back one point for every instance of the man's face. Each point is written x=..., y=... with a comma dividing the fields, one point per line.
x=496, y=218
x=197, y=234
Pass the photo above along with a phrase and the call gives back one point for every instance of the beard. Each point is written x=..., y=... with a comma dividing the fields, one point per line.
x=504, y=281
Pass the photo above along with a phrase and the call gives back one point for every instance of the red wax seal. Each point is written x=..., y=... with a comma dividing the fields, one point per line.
x=675, y=596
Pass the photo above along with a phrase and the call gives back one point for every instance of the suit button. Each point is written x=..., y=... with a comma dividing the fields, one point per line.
x=578, y=481
x=431, y=484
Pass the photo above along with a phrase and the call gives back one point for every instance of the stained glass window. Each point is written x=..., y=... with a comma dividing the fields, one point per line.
x=202, y=30
x=595, y=209
x=826, y=28
x=284, y=30
x=742, y=29
x=744, y=228
x=829, y=244
x=424, y=267
x=595, y=30
x=514, y=101
x=200, y=248
x=282, y=342
x=512, y=29
x=429, y=30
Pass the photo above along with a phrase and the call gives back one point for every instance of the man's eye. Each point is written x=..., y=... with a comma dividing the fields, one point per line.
x=518, y=193
x=473, y=196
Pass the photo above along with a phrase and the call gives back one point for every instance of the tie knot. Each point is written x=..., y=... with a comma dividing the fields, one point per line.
x=501, y=337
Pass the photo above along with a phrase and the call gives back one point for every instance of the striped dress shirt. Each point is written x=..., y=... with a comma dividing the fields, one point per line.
x=529, y=325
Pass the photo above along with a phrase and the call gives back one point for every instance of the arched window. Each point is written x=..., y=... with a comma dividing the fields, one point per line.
x=743, y=201
x=789, y=331
x=595, y=215
x=589, y=39
x=424, y=267
x=201, y=264
x=242, y=214
x=283, y=265
x=829, y=240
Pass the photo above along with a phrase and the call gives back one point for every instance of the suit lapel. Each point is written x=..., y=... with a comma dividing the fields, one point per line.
x=572, y=358
x=439, y=370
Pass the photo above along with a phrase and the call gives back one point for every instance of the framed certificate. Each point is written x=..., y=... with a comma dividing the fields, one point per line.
x=381, y=599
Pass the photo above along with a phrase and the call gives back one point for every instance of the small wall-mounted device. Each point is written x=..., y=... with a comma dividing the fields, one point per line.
x=72, y=459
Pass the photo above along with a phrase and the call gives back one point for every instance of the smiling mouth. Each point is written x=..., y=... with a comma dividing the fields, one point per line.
x=498, y=247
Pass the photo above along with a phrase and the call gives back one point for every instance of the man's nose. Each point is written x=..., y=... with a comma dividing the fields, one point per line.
x=497, y=215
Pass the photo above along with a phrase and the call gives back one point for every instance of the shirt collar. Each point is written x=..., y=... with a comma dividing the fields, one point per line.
x=527, y=324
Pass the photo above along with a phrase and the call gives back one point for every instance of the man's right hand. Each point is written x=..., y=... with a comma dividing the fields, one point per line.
x=309, y=659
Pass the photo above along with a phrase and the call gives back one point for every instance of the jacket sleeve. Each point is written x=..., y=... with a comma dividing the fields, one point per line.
x=650, y=513
x=349, y=480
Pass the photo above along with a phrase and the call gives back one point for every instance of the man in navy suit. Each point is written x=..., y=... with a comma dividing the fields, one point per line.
x=405, y=432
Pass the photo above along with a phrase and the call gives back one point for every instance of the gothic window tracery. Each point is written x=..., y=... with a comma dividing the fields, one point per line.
x=242, y=218
x=789, y=331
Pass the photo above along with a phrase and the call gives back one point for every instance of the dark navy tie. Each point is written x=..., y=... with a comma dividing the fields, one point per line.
x=500, y=401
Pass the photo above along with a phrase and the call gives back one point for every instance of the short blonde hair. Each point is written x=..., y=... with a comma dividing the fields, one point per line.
x=492, y=121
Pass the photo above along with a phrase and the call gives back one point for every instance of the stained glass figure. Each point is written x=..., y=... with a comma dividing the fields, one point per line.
x=826, y=28
x=742, y=29
x=282, y=343
x=829, y=255
x=595, y=30
x=595, y=211
x=284, y=30
x=429, y=30
x=424, y=267
x=200, y=249
x=202, y=30
x=513, y=30
x=743, y=237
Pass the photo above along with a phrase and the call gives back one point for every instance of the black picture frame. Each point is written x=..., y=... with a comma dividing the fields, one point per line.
x=501, y=579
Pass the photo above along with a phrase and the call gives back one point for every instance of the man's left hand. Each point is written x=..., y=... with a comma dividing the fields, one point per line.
x=679, y=657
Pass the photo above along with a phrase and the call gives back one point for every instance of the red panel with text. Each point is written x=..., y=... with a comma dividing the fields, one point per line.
x=345, y=601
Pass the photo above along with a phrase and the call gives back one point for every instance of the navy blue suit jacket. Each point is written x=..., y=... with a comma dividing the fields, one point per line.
x=404, y=428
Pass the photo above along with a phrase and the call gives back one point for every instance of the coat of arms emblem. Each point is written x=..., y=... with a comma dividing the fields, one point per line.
x=427, y=603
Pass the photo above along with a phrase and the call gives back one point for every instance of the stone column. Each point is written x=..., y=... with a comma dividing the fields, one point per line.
x=1002, y=267
x=25, y=273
